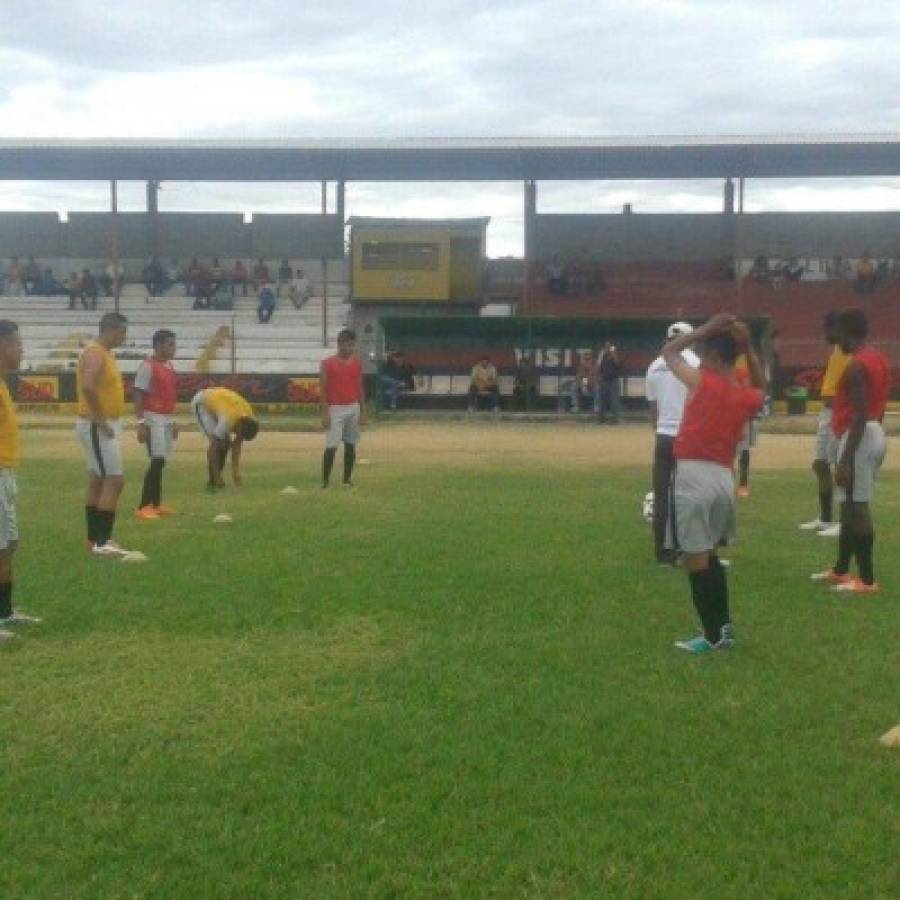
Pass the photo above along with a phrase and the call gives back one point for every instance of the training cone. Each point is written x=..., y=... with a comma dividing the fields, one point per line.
x=891, y=738
x=134, y=556
x=222, y=519
x=289, y=491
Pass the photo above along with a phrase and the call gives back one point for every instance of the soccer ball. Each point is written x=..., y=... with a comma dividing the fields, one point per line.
x=647, y=508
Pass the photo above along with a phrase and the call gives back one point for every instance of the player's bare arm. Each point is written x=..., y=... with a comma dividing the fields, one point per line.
x=91, y=371
x=857, y=393
x=236, y=445
x=323, y=402
x=654, y=415
x=363, y=418
x=139, y=416
x=672, y=350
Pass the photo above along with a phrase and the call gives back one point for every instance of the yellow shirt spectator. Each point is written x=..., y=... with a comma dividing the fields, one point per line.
x=110, y=390
x=834, y=371
x=484, y=376
x=10, y=453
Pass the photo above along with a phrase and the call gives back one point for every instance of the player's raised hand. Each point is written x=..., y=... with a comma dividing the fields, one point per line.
x=720, y=322
x=741, y=333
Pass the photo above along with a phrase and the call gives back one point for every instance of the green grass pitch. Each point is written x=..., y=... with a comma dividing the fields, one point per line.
x=450, y=681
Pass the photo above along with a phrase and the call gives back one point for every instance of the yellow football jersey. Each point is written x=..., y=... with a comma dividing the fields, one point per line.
x=226, y=404
x=9, y=430
x=110, y=390
x=834, y=371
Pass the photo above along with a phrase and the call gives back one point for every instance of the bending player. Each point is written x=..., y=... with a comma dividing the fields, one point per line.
x=101, y=403
x=717, y=408
x=10, y=358
x=227, y=420
x=341, y=393
x=856, y=416
x=825, y=454
x=155, y=396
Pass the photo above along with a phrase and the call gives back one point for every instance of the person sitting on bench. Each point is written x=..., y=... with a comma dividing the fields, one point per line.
x=484, y=383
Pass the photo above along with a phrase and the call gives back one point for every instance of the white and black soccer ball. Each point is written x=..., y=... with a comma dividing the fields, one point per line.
x=647, y=508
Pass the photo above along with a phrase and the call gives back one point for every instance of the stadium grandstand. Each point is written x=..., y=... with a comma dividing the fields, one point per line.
x=788, y=268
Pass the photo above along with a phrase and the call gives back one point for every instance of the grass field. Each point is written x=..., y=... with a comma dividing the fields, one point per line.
x=454, y=680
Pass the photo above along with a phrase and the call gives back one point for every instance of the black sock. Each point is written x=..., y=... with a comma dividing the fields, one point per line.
x=5, y=599
x=704, y=591
x=90, y=516
x=864, y=545
x=825, y=506
x=105, y=520
x=744, y=468
x=723, y=614
x=155, y=473
x=846, y=547
x=328, y=463
x=349, y=459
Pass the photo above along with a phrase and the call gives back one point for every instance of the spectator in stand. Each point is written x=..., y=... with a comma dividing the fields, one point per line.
x=484, y=384
x=115, y=278
x=267, y=304
x=193, y=274
x=47, y=285
x=32, y=275
x=285, y=276
x=398, y=376
x=175, y=275
x=865, y=274
x=759, y=271
x=73, y=290
x=839, y=267
x=15, y=278
x=793, y=270
x=557, y=283
x=609, y=387
x=239, y=278
x=526, y=384
x=89, y=289
x=154, y=277
x=301, y=289
x=260, y=275
x=222, y=296
x=217, y=272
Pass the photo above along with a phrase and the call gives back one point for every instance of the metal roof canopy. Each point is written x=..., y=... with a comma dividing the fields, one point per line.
x=452, y=159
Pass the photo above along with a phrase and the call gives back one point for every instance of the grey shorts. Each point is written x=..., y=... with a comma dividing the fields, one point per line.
x=703, y=505
x=101, y=452
x=344, y=425
x=748, y=436
x=160, y=434
x=865, y=465
x=9, y=527
x=826, y=442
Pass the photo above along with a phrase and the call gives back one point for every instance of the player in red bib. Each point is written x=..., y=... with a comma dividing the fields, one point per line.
x=155, y=396
x=341, y=390
x=717, y=409
x=856, y=420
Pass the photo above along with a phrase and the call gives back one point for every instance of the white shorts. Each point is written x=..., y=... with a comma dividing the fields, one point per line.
x=864, y=466
x=826, y=442
x=9, y=528
x=207, y=421
x=703, y=505
x=101, y=452
x=344, y=425
x=160, y=434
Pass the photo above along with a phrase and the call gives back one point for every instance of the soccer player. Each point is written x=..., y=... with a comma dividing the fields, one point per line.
x=825, y=454
x=748, y=435
x=155, y=396
x=717, y=408
x=227, y=420
x=101, y=403
x=667, y=396
x=10, y=358
x=856, y=416
x=341, y=395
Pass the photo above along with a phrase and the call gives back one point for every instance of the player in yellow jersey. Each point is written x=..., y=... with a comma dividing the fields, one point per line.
x=227, y=420
x=101, y=404
x=10, y=357
x=825, y=453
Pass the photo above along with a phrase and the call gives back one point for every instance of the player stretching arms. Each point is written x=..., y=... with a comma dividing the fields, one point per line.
x=716, y=411
x=101, y=403
x=341, y=394
x=825, y=455
x=856, y=415
x=10, y=357
x=155, y=395
x=221, y=414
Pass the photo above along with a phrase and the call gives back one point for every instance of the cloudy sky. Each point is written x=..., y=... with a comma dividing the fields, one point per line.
x=274, y=68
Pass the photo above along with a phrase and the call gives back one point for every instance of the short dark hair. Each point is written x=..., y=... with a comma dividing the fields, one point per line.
x=112, y=320
x=161, y=336
x=346, y=334
x=247, y=428
x=854, y=324
x=725, y=346
x=8, y=329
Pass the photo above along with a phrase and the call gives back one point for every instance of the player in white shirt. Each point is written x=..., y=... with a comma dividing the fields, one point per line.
x=667, y=396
